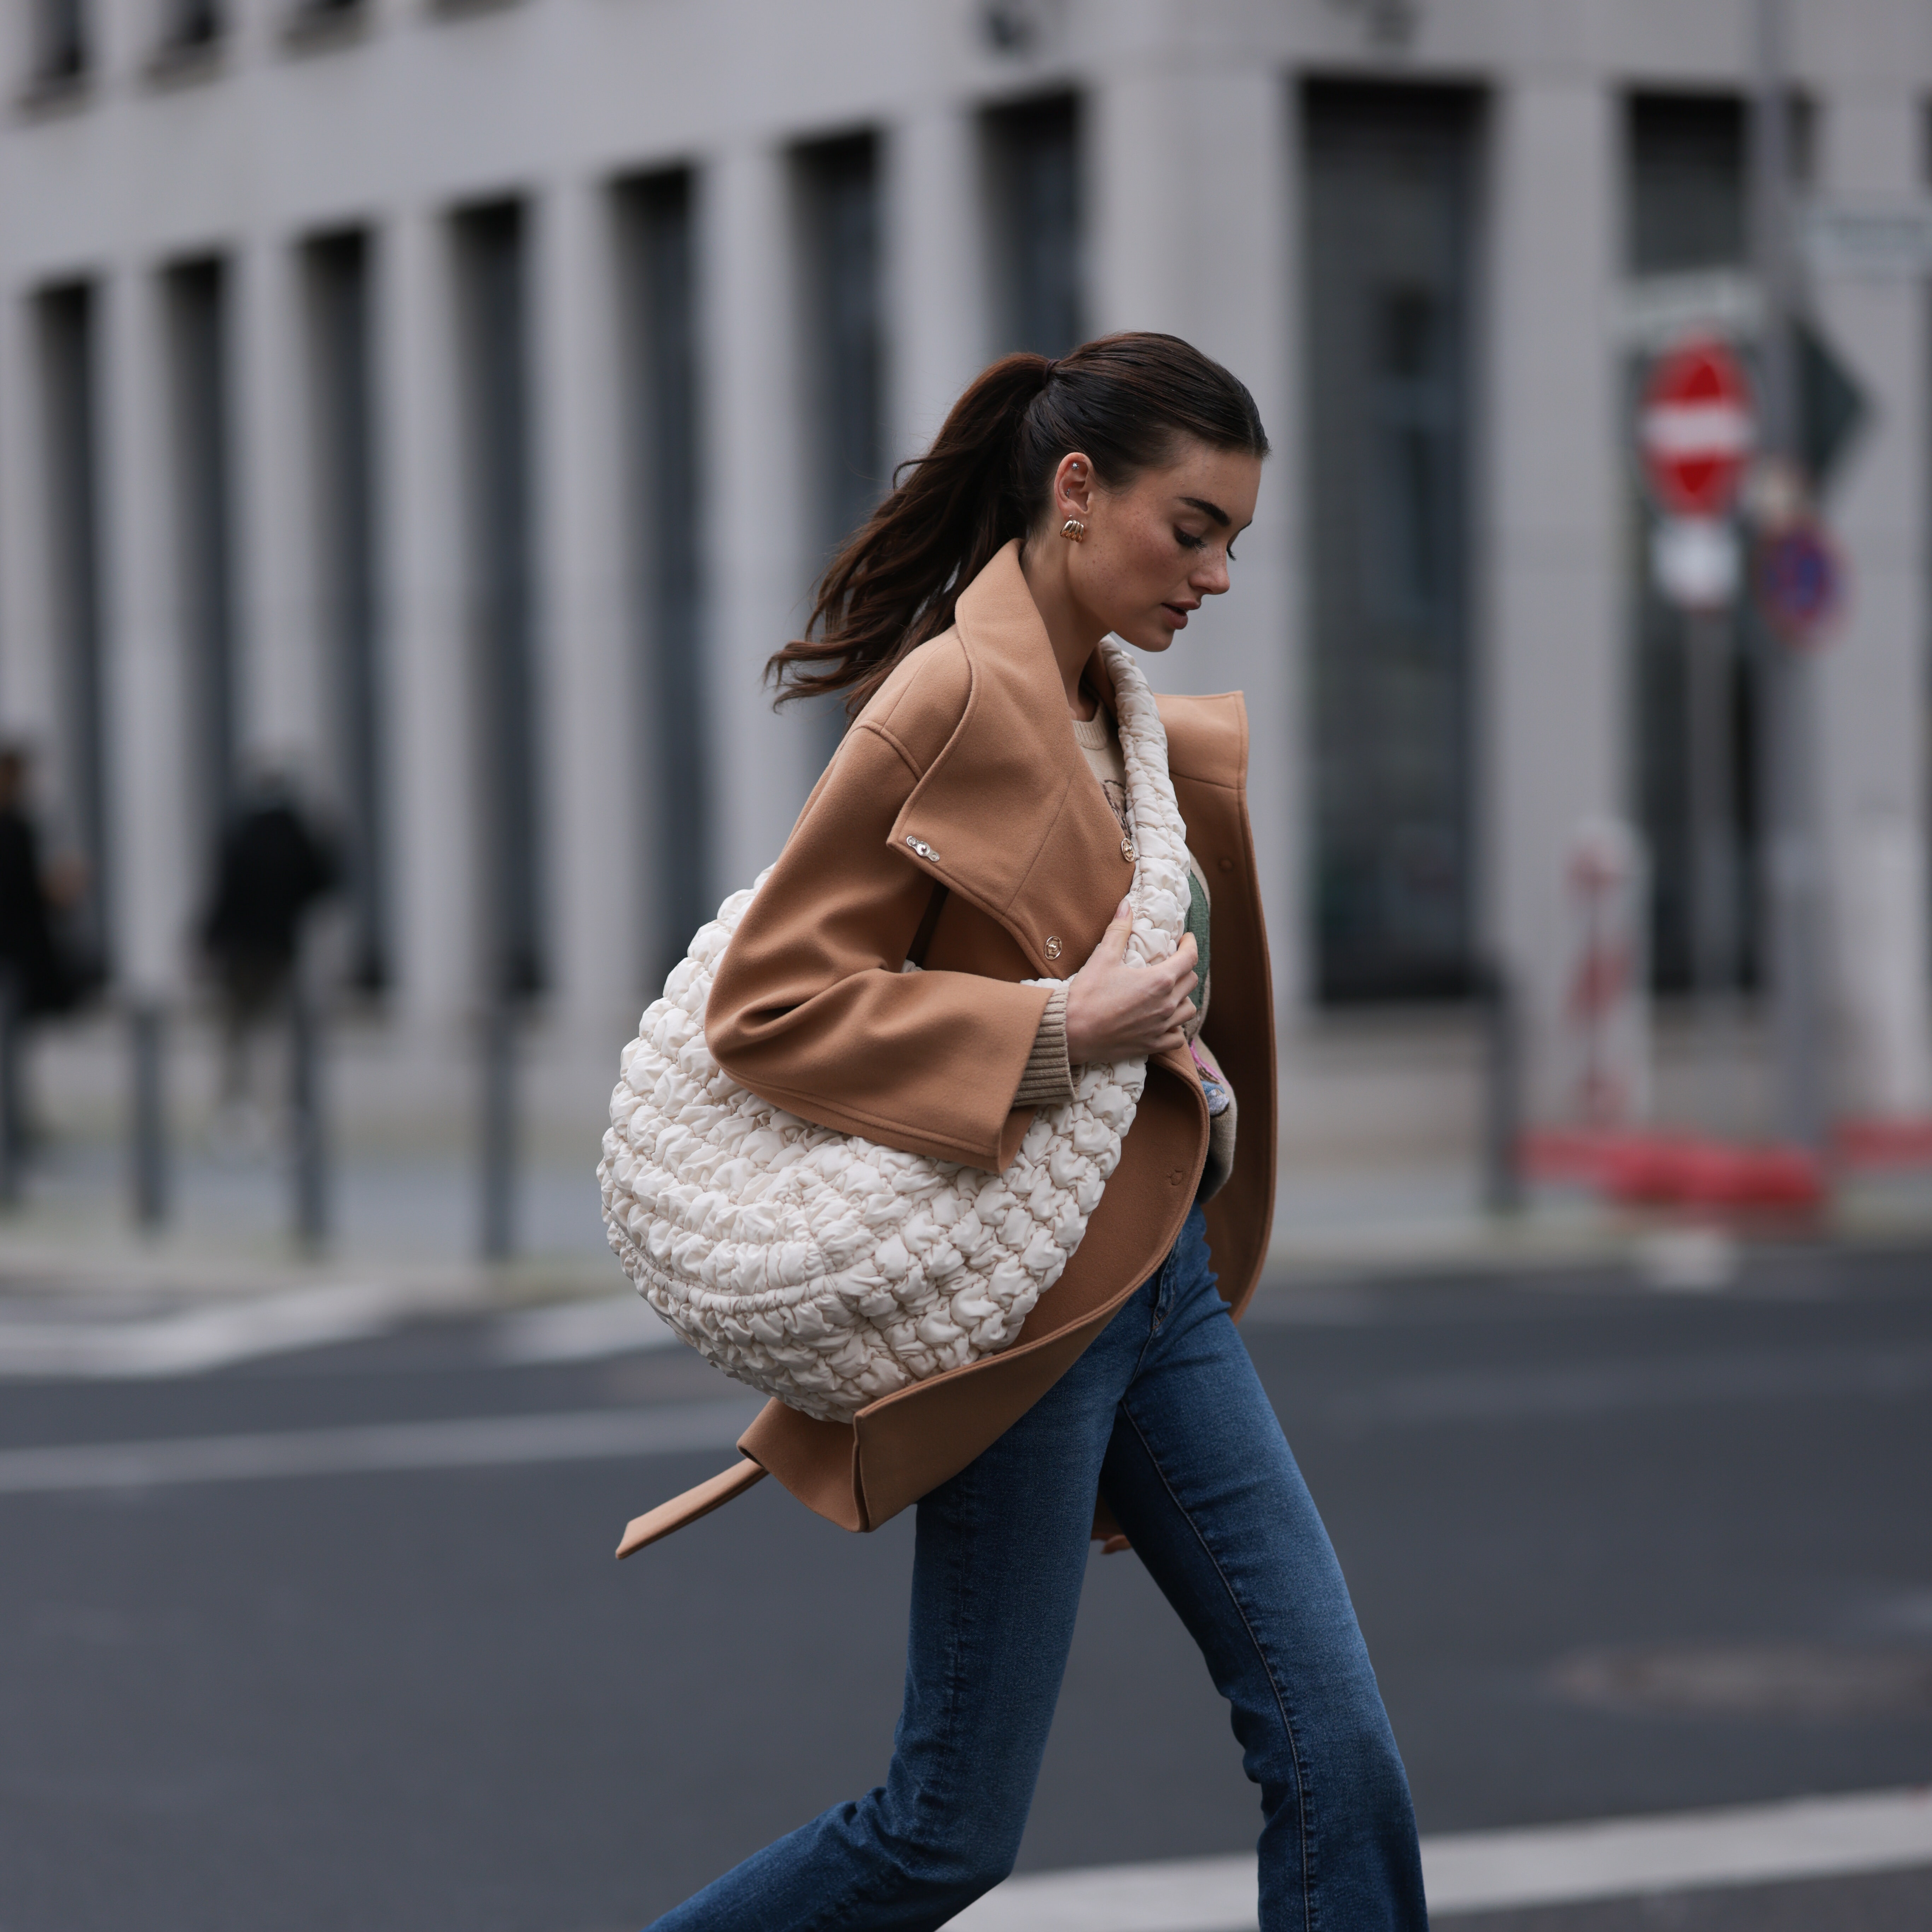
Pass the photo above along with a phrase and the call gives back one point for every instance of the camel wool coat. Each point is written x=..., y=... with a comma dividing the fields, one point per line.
x=962, y=772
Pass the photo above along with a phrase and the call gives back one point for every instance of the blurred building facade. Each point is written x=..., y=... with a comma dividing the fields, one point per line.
x=456, y=398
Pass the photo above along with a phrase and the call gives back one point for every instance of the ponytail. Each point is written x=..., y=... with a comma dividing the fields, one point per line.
x=1123, y=401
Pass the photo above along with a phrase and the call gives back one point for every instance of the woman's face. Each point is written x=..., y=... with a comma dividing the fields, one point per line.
x=1155, y=549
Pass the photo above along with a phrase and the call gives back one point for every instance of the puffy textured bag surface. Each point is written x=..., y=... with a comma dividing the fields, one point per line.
x=821, y=1267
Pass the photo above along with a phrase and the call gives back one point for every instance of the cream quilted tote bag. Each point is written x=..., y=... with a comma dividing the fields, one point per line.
x=822, y=1268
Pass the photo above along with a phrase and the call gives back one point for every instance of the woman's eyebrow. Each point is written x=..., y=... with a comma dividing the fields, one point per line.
x=1208, y=509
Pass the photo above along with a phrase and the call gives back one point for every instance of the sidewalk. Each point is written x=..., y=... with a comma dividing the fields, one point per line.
x=405, y=1209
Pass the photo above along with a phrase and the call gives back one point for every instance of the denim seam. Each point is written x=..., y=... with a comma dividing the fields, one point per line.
x=1301, y=1797
x=1157, y=1314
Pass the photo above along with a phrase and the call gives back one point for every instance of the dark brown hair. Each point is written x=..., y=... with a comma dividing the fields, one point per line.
x=1124, y=402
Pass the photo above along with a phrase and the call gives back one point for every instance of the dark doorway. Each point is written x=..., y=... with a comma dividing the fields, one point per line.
x=1390, y=227
x=342, y=400
x=60, y=41
x=659, y=292
x=1036, y=233
x=71, y=405
x=197, y=307
x=492, y=254
x=844, y=358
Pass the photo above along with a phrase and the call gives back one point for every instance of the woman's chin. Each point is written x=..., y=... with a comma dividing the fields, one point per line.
x=1151, y=634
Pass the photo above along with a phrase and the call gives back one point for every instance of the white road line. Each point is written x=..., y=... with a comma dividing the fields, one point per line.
x=1805, y=1837
x=1590, y=1389
x=1488, y=1871
x=581, y=1331
x=478, y=1442
x=194, y=1340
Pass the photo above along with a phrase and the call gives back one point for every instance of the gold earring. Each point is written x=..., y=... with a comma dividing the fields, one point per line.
x=1074, y=530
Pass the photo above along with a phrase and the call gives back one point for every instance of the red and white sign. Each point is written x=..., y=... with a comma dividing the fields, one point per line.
x=1696, y=428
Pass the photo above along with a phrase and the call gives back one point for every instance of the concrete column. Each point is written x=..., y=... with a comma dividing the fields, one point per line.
x=1140, y=161
x=935, y=252
x=1551, y=690
x=430, y=783
x=157, y=877
x=281, y=711
x=1869, y=736
x=594, y=865
x=757, y=565
x=1173, y=248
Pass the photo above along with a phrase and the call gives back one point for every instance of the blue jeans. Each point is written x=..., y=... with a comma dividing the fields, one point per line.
x=1165, y=1413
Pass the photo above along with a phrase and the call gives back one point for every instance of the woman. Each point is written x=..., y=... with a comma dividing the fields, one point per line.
x=975, y=821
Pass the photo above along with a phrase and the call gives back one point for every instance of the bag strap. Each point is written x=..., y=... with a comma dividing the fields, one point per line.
x=922, y=938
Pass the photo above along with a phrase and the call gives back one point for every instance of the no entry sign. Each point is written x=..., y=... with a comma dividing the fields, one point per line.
x=1695, y=428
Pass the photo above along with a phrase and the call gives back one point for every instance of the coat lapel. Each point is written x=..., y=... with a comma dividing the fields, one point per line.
x=1047, y=864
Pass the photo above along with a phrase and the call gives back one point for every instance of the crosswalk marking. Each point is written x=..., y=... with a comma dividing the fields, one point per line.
x=470, y=1443
x=210, y=1335
x=581, y=1331
x=1488, y=1871
x=213, y=1335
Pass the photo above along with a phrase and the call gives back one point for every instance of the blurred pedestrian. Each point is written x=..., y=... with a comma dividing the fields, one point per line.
x=273, y=866
x=976, y=816
x=33, y=896
x=39, y=973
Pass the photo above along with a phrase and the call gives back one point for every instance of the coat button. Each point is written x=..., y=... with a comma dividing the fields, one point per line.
x=920, y=846
x=1226, y=864
x=1052, y=948
x=1127, y=850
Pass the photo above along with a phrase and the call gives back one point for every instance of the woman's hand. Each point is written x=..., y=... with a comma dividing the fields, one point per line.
x=1115, y=1011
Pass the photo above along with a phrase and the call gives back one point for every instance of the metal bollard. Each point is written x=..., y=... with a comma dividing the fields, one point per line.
x=498, y=1129
x=148, y=1151
x=13, y=1111
x=1502, y=1092
x=308, y=1145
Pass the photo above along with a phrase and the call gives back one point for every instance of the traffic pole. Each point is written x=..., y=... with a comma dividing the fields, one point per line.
x=497, y=1126
x=308, y=1108
x=1793, y=875
x=148, y=1111
x=1708, y=719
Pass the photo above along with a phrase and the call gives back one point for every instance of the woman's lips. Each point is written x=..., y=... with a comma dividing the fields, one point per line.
x=1178, y=612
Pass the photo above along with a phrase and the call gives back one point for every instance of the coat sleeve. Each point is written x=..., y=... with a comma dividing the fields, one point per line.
x=810, y=1009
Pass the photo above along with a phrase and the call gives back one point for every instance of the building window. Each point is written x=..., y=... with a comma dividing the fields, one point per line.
x=196, y=307
x=1390, y=184
x=658, y=291
x=1686, y=162
x=1038, y=274
x=60, y=48
x=342, y=399
x=494, y=298
x=1687, y=183
x=67, y=332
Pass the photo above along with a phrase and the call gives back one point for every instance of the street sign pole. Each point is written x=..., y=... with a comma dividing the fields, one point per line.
x=1793, y=880
x=1708, y=716
x=1696, y=432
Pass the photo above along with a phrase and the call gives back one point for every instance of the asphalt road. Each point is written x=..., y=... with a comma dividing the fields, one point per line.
x=1615, y=1552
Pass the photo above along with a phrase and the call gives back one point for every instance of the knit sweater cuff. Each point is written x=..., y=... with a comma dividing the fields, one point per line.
x=1048, y=1080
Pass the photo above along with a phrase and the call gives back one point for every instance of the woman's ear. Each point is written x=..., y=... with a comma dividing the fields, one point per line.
x=1073, y=488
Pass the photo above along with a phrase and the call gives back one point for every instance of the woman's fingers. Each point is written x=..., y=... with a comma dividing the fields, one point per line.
x=1116, y=1010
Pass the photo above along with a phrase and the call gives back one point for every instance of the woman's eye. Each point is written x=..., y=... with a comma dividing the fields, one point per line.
x=1188, y=541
